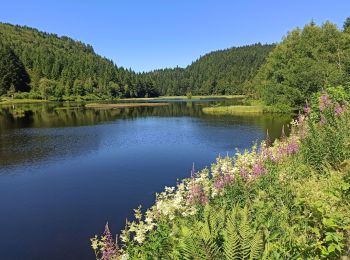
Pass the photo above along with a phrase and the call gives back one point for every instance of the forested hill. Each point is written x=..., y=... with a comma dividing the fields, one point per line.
x=53, y=67
x=218, y=72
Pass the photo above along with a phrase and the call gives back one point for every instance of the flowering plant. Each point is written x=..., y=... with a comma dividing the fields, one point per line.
x=190, y=196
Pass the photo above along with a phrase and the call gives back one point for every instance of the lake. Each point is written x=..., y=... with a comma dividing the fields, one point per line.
x=65, y=170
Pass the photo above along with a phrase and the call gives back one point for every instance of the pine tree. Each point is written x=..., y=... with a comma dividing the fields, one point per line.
x=12, y=72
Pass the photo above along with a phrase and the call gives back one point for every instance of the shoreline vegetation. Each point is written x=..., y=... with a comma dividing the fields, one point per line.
x=247, y=109
x=14, y=101
x=233, y=110
x=10, y=101
x=255, y=107
x=123, y=105
x=285, y=200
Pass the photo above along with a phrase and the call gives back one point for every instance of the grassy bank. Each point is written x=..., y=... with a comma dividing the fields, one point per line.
x=233, y=110
x=252, y=107
x=289, y=200
x=123, y=105
x=10, y=101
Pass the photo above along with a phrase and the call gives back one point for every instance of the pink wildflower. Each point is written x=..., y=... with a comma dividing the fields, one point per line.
x=339, y=109
x=273, y=158
x=281, y=150
x=219, y=184
x=243, y=172
x=292, y=147
x=203, y=199
x=266, y=153
x=109, y=250
x=228, y=179
x=197, y=194
x=258, y=168
x=307, y=109
x=195, y=190
x=324, y=102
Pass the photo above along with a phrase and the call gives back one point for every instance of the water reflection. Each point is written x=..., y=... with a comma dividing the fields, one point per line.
x=32, y=132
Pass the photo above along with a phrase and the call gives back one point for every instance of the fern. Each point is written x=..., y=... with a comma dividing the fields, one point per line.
x=191, y=249
x=203, y=241
x=256, y=247
x=245, y=234
x=200, y=244
x=232, y=248
x=221, y=237
x=240, y=239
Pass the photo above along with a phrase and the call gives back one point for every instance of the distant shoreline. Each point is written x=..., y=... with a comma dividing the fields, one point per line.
x=9, y=101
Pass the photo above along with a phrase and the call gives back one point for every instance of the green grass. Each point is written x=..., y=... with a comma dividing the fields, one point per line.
x=123, y=105
x=233, y=110
x=10, y=101
x=253, y=107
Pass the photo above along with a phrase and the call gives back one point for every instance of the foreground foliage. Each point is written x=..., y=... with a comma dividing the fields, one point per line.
x=283, y=201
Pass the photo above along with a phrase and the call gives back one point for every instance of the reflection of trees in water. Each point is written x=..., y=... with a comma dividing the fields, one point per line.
x=267, y=122
x=272, y=123
x=31, y=140
x=58, y=115
x=63, y=115
x=27, y=144
x=45, y=116
x=31, y=144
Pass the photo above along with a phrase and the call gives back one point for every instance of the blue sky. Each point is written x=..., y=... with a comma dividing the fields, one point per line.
x=146, y=35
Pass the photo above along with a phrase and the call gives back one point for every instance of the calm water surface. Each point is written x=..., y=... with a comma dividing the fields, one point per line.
x=65, y=172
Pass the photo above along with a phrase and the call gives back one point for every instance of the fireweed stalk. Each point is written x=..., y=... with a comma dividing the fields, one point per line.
x=193, y=193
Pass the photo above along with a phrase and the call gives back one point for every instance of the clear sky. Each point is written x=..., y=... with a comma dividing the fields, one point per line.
x=149, y=34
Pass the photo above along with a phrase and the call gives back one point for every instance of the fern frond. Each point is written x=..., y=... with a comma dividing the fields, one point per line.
x=232, y=249
x=190, y=248
x=256, y=246
x=211, y=250
x=245, y=234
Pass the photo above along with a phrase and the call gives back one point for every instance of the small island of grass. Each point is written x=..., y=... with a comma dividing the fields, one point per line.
x=10, y=101
x=253, y=107
x=123, y=105
x=233, y=110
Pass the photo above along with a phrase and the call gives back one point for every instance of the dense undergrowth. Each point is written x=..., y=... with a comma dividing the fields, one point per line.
x=286, y=200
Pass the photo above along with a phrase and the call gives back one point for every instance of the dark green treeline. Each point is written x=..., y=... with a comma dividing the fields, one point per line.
x=219, y=72
x=53, y=67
